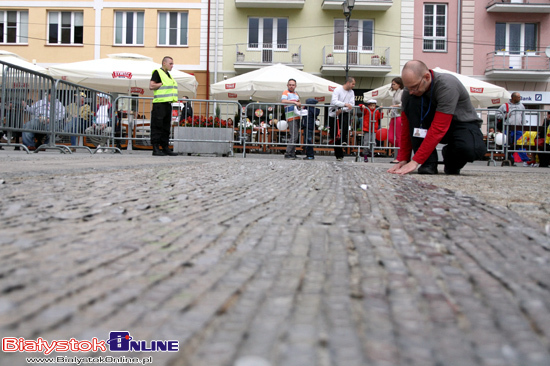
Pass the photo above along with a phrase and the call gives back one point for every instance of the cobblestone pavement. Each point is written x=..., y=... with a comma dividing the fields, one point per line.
x=257, y=262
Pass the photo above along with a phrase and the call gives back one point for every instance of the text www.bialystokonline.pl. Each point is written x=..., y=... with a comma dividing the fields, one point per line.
x=91, y=360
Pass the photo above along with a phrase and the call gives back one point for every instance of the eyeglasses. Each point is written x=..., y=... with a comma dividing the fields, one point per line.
x=415, y=88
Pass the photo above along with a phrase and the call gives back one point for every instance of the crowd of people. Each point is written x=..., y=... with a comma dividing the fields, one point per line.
x=427, y=108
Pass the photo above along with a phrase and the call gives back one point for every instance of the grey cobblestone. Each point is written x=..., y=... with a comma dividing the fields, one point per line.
x=287, y=262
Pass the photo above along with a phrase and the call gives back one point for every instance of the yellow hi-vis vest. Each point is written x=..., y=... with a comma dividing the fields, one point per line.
x=168, y=92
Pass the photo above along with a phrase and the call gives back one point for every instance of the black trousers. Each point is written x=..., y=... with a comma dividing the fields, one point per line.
x=464, y=145
x=344, y=132
x=161, y=121
x=544, y=158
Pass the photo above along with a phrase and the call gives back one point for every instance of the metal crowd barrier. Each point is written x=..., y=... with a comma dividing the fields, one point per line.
x=522, y=139
x=89, y=123
x=263, y=132
x=42, y=112
x=82, y=118
x=198, y=126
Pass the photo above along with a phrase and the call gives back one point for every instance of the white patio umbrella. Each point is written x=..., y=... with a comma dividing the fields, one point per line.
x=267, y=85
x=121, y=73
x=15, y=59
x=482, y=94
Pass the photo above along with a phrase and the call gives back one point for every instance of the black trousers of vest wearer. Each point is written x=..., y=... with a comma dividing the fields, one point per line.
x=344, y=119
x=464, y=145
x=161, y=120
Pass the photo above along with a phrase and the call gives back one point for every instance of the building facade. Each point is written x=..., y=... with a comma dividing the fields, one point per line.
x=312, y=36
x=504, y=42
x=49, y=33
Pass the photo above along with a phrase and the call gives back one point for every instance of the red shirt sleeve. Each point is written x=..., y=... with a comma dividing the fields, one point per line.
x=439, y=127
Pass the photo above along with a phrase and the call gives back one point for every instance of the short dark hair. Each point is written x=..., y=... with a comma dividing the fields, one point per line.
x=349, y=79
x=167, y=58
x=289, y=80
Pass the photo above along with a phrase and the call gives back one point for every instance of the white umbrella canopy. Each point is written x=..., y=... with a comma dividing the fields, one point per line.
x=482, y=94
x=15, y=59
x=267, y=85
x=121, y=73
x=382, y=95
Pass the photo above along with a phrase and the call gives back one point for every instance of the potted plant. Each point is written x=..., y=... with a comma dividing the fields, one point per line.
x=330, y=59
x=295, y=58
x=382, y=60
x=375, y=60
x=240, y=57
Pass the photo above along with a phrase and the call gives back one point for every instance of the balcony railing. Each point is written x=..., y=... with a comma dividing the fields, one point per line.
x=268, y=53
x=279, y=4
x=375, y=5
x=519, y=64
x=358, y=56
x=518, y=6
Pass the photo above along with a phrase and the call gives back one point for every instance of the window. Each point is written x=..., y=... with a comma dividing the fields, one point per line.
x=14, y=27
x=515, y=38
x=129, y=28
x=435, y=27
x=173, y=28
x=65, y=27
x=268, y=33
x=361, y=35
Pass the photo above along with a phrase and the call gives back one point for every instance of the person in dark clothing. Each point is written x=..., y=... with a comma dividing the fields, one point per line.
x=544, y=132
x=436, y=109
x=308, y=123
x=165, y=93
x=186, y=110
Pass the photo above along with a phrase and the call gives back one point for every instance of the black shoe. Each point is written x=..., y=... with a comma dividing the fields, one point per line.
x=429, y=169
x=157, y=151
x=291, y=157
x=309, y=158
x=166, y=150
x=450, y=171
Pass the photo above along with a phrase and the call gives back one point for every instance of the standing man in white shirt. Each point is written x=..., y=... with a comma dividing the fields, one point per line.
x=340, y=114
x=291, y=97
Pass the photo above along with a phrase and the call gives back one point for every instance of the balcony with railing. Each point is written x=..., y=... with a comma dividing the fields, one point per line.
x=363, y=61
x=252, y=56
x=518, y=6
x=373, y=5
x=276, y=4
x=519, y=65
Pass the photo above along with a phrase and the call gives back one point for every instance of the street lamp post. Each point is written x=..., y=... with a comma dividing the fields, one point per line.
x=348, y=7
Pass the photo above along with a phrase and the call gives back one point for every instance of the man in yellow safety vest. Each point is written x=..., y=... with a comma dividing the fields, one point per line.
x=165, y=93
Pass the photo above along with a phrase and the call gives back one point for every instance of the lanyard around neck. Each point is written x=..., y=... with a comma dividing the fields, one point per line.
x=422, y=115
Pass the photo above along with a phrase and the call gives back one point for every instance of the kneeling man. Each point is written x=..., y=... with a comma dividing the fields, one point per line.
x=436, y=108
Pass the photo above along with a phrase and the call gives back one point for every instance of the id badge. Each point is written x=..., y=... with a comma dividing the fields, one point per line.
x=420, y=132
